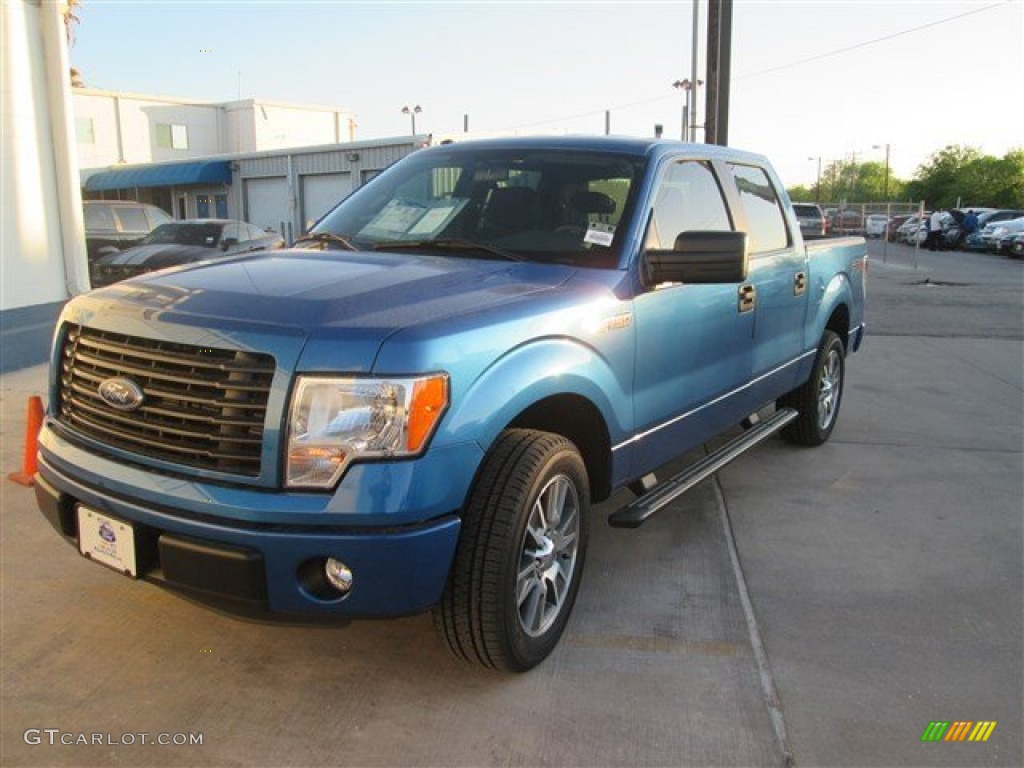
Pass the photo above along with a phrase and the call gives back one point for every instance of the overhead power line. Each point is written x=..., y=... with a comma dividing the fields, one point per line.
x=797, y=63
x=876, y=40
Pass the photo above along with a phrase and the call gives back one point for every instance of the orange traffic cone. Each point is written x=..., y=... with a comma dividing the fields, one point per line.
x=33, y=423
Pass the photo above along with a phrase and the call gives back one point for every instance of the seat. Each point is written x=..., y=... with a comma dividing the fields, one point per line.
x=509, y=210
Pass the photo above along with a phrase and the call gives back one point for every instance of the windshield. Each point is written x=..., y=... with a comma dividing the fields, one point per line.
x=180, y=233
x=547, y=205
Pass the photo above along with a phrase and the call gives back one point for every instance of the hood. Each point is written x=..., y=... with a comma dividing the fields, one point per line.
x=356, y=298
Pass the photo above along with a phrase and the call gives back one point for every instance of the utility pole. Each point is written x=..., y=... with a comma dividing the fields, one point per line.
x=693, y=72
x=719, y=57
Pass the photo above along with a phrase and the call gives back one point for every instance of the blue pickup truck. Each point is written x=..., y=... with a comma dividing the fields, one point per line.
x=416, y=407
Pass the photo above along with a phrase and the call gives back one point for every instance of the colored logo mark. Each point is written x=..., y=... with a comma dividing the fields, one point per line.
x=959, y=730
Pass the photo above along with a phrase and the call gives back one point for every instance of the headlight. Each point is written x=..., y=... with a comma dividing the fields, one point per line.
x=334, y=421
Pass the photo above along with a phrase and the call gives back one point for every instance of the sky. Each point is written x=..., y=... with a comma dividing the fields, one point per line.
x=825, y=79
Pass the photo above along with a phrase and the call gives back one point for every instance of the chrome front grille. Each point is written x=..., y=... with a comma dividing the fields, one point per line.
x=202, y=407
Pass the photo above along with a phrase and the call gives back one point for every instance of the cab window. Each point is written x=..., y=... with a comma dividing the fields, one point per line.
x=689, y=198
x=761, y=204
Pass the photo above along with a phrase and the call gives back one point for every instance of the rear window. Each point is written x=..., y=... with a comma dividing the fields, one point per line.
x=806, y=210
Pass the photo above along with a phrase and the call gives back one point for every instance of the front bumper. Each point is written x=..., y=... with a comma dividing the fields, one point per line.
x=267, y=569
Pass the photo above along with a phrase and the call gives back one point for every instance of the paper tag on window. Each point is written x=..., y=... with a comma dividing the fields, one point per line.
x=599, y=233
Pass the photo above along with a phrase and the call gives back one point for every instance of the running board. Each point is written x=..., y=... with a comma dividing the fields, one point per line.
x=634, y=514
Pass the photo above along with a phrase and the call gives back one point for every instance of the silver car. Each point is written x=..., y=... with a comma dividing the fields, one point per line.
x=812, y=220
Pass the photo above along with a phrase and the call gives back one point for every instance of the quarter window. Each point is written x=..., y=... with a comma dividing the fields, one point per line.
x=764, y=213
x=98, y=217
x=689, y=199
x=132, y=219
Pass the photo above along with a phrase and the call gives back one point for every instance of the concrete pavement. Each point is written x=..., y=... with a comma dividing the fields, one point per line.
x=883, y=572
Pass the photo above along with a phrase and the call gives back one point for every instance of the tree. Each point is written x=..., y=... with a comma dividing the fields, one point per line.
x=851, y=182
x=958, y=174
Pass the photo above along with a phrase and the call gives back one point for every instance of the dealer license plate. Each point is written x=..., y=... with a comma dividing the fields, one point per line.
x=107, y=540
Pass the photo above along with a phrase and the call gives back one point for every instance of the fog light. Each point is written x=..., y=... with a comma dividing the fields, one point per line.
x=338, y=575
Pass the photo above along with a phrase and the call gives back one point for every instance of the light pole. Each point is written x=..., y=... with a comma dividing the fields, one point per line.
x=412, y=112
x=817, y=184
x=687, y=86
x=885, y=183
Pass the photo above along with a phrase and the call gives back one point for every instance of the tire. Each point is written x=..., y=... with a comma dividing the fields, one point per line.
x=515, y=574
x=818, y=399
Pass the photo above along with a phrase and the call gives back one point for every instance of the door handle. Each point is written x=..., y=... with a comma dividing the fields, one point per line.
x=799, y=283
x=747, y=298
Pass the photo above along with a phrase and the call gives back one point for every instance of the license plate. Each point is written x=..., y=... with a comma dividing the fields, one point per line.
x=107, y=540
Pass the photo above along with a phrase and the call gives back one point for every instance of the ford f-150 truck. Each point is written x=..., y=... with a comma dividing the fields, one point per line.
x=416, y=407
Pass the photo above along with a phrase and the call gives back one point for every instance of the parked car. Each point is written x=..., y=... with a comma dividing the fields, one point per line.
x=113, y=225
x=975, y=241
x=911, y=230
x=812, y=220
x=1003, y=233
x=893, y=227
x=875, y=225
x=183, y=242
x=1016, y=249
x=846, y=222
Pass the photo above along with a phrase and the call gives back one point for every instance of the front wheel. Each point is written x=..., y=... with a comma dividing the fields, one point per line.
x=818, y=399
x=519, y=560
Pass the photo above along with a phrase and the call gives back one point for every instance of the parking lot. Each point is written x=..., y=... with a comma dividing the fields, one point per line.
x=806, y=606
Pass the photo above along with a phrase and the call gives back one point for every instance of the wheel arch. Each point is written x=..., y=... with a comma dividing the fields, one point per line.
x=839, y=323
x=577, y=419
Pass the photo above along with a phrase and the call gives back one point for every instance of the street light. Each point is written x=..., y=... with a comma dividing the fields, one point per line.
x=412, y=112
x=817, y=184
x=885, y=183
x=687, y=86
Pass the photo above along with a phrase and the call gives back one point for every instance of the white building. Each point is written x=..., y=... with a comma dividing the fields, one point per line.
x=42, y=245
x=115, y=128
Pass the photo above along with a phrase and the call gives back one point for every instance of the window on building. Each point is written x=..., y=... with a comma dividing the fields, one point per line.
x=84, y=130
x=171, y=136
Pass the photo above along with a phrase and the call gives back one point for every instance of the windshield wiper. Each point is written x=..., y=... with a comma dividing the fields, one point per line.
x=328, y=237
x=451, y=244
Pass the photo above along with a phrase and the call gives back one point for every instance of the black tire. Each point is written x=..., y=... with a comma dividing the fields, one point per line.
x=818, y=399
x=512, y=587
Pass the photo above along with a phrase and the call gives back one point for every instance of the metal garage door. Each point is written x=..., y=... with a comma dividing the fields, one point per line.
x=322, y=192
x=266, y=205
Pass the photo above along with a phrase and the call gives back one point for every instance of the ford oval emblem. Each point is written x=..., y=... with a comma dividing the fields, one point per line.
x=107, y=533
x=121, y=393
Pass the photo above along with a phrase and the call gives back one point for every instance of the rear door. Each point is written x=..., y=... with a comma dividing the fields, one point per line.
x=779, y=282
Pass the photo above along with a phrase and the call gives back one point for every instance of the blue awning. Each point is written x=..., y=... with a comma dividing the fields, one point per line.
x=169, y=175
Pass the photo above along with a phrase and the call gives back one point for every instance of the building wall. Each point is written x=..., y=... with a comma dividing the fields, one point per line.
x=124, y=128
x=115, y=127
x=288, y=190
x=42, y=237
x=268, y=125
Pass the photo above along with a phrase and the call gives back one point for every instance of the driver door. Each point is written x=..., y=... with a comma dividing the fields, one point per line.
x=693, y=341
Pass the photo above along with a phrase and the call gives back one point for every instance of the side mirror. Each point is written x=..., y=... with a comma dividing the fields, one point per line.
x=700, y=257
x=228, y=242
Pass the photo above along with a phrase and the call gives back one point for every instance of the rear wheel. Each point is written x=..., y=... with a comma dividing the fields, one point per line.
x=818, y=399
x=520, y=557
